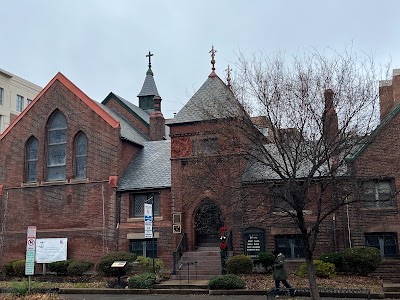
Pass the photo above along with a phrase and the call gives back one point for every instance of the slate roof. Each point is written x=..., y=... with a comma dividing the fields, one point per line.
x=368, y=140
x=128, y=131
x=256, y=170
x=149, y=87
x=137, y=110
x=213, y=100
x=150, y=169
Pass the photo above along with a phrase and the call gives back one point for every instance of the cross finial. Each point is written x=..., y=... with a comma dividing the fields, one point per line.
x=149, y=56
x=213, y=57
x=228, y=76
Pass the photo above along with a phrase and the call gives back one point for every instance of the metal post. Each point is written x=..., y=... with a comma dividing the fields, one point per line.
x=152, y=208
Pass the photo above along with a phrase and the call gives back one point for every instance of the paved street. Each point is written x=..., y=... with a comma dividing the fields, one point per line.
x=176, y=297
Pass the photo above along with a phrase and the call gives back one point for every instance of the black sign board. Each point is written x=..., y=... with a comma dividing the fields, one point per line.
x=254, y=240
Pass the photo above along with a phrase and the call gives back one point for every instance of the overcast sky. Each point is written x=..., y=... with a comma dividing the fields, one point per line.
x=101, y=45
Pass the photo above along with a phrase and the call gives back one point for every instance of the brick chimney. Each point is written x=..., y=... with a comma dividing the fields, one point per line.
x=157, y=121
x=389, y=94
x=330, y=120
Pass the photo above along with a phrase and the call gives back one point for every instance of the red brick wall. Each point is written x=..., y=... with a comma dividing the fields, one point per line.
x=72, y=209
x=379, y=160
x=162, y=225
x=115, y=105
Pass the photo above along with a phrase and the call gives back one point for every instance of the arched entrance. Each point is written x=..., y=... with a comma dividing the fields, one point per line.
x=208, y=220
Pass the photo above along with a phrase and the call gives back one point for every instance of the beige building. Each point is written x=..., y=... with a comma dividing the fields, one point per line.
x=15, y=95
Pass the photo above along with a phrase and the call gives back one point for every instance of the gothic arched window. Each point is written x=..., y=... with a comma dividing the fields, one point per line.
x=56, y=147
x=80, y=155
x=31, y=160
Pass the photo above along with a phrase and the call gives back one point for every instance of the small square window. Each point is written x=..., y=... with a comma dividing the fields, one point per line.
x=290, y=245
x=144, y=248
x=137, y=202
x=377, y=193
x=386, y=242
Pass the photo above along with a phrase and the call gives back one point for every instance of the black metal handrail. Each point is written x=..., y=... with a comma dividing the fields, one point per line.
x=177, y=254
x=188, y=264
x=229, y=241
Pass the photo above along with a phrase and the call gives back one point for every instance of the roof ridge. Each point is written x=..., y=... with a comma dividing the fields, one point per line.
x=77, y=92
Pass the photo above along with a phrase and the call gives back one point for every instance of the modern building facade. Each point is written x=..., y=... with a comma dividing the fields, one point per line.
x=16, y=94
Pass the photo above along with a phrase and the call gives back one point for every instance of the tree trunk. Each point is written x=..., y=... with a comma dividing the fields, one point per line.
x=312, y=280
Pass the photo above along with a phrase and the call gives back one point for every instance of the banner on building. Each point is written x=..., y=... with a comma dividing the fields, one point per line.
x=51, y=250
x=148, y=221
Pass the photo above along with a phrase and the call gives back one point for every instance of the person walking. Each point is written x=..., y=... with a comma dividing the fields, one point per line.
x=280, y=273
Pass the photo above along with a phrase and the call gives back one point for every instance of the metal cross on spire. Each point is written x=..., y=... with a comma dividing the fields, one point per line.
x=212, y=51
x=149, y=56
x=228, y=76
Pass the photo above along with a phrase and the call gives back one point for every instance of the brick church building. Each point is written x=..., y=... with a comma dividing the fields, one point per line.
x=83, y=170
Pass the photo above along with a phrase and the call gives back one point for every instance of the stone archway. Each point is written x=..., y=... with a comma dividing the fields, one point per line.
x=208, y=219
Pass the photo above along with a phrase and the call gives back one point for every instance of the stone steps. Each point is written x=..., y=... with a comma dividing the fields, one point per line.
x=199, y=265
x=391, y=290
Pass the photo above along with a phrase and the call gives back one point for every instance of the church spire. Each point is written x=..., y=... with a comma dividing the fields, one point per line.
x=149, y=89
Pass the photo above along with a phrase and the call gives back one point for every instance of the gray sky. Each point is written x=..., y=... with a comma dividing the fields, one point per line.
x=101, y=45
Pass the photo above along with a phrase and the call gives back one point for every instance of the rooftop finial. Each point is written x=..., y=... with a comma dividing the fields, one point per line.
x=228, y=76
x=149, y=56
x=213, y=57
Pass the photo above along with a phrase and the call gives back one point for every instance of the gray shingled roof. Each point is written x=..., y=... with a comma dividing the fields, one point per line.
x=150, y=169
x=128, y=131
x=213, y=100
x=149, y=87
x=256, y=170
x=137, y=110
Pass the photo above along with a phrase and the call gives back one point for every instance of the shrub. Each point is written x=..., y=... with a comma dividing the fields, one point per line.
x=266, y=259
x=19, y=267
x=239, y=264
x=60, y=267
x=9, y=267
x=146, y=264
x=79, y=267
x=104, y=265
x=322, y=269
x=20, y=288
x=226, y=282
x=363, y=260
x=142, y=281
x=334, y=258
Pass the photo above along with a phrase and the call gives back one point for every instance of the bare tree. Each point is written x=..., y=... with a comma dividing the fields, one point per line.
x=318, y=108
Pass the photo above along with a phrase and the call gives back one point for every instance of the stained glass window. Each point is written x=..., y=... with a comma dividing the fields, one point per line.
x=80, y=155
x=31, y=160
x=57, y=147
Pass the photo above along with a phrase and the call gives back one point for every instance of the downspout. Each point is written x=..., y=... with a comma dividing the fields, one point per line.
x=104, y=217
x=117, y=219
x=334, y=232
x=348, y=225
x=3, y=224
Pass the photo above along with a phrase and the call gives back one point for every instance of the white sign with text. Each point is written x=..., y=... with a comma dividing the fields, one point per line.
x=51, y=250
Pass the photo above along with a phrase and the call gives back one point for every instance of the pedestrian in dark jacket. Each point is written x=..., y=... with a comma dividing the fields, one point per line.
x=281, y=272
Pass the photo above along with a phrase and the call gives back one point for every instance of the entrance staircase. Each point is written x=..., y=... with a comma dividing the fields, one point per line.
x=391, y=290
x=198, y=265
